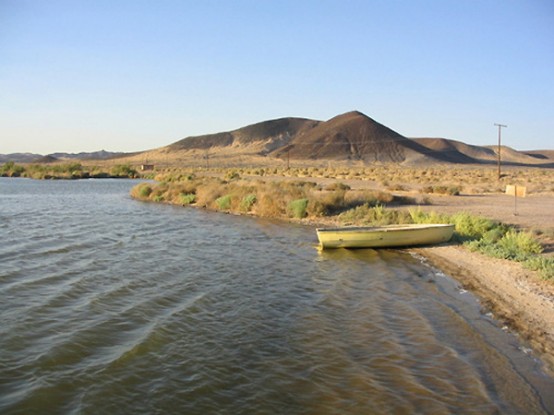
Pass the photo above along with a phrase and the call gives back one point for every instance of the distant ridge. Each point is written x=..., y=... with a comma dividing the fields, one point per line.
x=349, y=137
x=95, y=155
x=56, y=157
x=20, y=157
x=455, y=151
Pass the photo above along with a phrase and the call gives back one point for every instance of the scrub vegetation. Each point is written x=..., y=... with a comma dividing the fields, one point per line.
x=338, y=203
x=428, y=180
x=277, y=199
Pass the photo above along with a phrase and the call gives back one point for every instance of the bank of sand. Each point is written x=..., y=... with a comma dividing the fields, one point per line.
x=516, y=296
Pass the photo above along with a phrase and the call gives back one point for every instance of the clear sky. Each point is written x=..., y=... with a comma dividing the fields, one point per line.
x=129, y=75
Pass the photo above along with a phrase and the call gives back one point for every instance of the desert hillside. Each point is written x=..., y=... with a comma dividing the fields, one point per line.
x=352, y=138
x=260, y=138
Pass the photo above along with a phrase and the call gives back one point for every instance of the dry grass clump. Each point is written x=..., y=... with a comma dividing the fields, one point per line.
x=442, y=190
x=337, y=186
x=278, y=199
x=209, y=191
x=374, y=216
x=65, y=171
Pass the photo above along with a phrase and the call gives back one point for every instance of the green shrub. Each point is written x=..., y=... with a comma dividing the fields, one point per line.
x=297, y=208
x=376, y=215
x=514, y=245
x=544, y=265
x=187, y=198
x=518, y=245
x=247, y=202
x=11, y=169
x=141, y=191
x=419, y=216
x=357, y=215
x=471, y=227
x=123, y=170
x=223, y=202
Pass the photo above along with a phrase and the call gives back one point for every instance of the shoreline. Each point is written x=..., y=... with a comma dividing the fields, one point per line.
x=516, y=296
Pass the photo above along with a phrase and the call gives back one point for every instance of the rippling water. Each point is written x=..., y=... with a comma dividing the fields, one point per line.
x=109, y=305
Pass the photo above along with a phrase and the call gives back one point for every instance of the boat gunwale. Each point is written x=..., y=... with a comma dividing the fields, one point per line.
x=386, y=228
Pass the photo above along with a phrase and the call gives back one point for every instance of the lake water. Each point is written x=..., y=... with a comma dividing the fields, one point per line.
x=109, y=305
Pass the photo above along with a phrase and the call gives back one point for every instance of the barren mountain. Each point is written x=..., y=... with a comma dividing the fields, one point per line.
x=261, y=138
x=455, y=151
x=355, y=136
x=541, y=154
x=349, y=137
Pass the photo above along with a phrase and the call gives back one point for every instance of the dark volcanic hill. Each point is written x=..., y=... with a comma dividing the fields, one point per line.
x=350, y=136
x=262, y=137
x=353, y=136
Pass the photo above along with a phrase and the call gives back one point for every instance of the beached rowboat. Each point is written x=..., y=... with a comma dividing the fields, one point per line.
x=384, y=236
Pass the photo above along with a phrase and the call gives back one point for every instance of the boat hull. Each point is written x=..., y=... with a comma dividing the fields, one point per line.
x=384, y=236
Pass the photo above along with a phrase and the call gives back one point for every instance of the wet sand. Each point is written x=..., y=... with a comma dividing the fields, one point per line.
x=516, y=296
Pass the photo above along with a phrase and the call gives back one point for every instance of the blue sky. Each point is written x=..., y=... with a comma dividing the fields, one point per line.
x=85, y=75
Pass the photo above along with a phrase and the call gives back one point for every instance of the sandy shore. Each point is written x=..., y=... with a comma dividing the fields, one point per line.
x=515, y=295
x=518, y=297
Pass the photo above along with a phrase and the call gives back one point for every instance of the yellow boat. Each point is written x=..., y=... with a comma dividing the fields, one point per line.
x=384, y=236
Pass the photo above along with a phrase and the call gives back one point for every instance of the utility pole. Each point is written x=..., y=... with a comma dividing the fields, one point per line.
x=499, y=144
